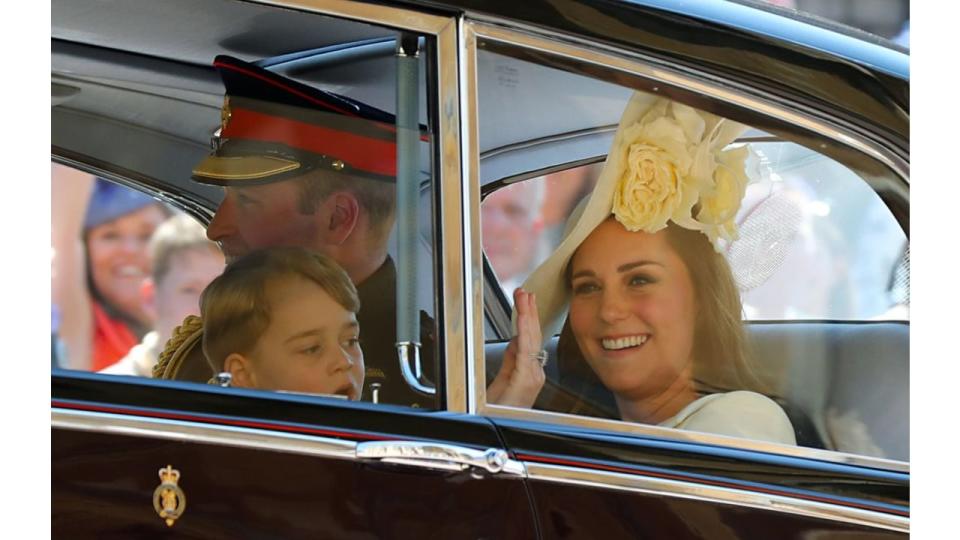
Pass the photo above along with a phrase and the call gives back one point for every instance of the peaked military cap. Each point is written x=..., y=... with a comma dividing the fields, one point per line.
x=273, y=128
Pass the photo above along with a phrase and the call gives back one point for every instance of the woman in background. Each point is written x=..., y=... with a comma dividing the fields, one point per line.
x=100, y=236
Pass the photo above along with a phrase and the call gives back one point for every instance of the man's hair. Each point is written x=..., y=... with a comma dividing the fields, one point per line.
x=176, y=235
x=378, y=198
x=235, y=307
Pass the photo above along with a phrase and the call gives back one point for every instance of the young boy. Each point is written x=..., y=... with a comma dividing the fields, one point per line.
x=284, y=318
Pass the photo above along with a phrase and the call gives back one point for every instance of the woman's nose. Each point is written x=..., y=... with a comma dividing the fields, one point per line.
x=612, y=306
x=133, y=244
x=224, y=221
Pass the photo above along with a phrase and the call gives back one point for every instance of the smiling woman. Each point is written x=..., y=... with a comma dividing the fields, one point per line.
x=654, y=310
x=656, y=318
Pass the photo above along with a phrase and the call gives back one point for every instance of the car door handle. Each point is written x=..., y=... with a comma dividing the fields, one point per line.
x=439, y=456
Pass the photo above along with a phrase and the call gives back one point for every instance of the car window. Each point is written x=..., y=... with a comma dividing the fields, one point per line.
x=810, y=262
x=304, y=148
x=126, y=270
x=849, y=248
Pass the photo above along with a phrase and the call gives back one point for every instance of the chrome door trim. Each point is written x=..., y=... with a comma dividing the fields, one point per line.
x=685, y=490
x=452, y=188
x=198, y=432
x=635, y=65
x=473, y=256
x=369, y=13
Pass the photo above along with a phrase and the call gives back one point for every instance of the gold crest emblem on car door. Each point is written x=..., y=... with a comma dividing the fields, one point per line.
x=168, y=499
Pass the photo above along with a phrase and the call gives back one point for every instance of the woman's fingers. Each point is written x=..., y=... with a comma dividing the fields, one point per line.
x=522, y=370
x=528, y=323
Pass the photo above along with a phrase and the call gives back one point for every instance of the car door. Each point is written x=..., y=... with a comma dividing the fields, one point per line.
x=143, y=457
x=255, y=466
x=820, y=315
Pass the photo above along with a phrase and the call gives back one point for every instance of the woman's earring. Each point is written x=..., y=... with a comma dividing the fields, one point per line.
x=224, y=378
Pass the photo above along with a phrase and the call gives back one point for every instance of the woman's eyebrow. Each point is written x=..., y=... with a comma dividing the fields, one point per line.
x=583, y=273
x=626, y=267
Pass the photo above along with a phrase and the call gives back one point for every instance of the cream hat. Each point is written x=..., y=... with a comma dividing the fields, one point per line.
x=667, y=163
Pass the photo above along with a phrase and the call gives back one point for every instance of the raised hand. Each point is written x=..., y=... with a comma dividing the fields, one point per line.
x=521, y=375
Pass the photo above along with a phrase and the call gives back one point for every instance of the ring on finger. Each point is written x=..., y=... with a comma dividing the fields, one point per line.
x=541, y=357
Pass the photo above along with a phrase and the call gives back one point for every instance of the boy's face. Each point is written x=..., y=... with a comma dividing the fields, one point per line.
x=311, y=345
x=178, y=292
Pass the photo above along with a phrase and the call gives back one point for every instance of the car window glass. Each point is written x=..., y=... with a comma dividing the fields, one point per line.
x=816, y=262
x=852, y=252
x=126, y=270
x=302, y=153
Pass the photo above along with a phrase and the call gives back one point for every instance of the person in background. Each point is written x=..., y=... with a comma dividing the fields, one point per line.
x=184, y=262
x=511, y=222
x=100, y=232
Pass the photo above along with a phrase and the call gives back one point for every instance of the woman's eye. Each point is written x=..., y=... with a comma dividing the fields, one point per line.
x=585, y=288
x=353, y=342
x=640, y=280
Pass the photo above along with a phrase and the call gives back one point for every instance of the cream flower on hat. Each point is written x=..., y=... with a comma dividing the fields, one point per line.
x=668, y=162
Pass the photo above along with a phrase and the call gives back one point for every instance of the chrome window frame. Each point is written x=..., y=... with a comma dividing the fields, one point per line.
x=475, y=28
x=448, y=217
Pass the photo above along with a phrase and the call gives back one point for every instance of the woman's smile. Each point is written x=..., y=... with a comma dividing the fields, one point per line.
x=632, y=310
x=622, y=343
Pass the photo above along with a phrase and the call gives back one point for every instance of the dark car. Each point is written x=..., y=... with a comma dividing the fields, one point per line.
x=518, y=104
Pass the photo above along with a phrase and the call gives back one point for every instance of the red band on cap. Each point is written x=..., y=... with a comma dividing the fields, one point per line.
x=367, y=154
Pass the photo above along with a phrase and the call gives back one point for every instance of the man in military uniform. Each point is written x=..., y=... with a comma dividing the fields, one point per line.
x=304, y=167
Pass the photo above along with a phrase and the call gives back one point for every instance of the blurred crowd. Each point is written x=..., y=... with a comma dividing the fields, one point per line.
x=126, y=270
x=523, y=222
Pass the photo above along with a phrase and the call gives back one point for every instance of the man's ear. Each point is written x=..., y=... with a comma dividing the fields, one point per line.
x=241, y=371
x=343, y=210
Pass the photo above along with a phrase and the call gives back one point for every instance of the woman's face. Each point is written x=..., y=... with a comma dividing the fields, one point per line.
x=119, y=259
x=632, y=310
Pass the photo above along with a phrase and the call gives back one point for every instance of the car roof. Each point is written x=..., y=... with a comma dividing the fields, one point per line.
x=134, y=61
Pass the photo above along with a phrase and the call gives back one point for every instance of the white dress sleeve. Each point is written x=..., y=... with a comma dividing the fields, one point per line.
x=737, y=414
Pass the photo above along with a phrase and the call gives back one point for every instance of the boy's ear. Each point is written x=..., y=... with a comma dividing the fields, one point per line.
x=148, y=297
x=341, y=213
x=241, y=371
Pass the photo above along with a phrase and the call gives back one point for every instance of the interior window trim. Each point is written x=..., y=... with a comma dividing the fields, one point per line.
x=725, y=93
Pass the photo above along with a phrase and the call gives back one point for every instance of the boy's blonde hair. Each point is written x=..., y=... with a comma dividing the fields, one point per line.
x=235, y=307
x=178, y=234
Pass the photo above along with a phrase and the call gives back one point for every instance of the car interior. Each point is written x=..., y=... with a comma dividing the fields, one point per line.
x=148, y=84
